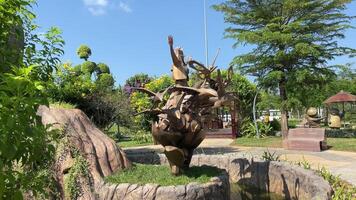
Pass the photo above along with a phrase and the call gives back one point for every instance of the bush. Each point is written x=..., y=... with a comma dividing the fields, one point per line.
x=103, y=68
x=84, y=52
x=249, y=129
x=105, y=81
x=276, y=125
x=340, y=133
x=88, y=67
x=25, y=144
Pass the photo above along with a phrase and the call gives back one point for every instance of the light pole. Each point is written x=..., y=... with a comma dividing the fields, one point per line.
x=206, y=35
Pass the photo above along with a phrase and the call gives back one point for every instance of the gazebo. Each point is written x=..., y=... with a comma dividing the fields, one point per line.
x=341, y=97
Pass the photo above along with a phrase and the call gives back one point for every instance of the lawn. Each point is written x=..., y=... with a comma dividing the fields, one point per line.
x=337, y=144
x=160, y=174
x=132, y=143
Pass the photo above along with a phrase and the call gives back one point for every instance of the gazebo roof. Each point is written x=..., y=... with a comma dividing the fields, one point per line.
x=341, y=97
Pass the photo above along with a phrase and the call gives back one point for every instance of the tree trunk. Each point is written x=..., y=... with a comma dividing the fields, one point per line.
x=284, y=111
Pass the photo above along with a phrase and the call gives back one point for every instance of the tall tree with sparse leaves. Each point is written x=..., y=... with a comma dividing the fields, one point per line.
x=292, y=41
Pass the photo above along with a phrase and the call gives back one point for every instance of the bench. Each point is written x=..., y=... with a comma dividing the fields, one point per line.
x=306, y=139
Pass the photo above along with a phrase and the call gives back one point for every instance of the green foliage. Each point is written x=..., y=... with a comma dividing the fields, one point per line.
x=25, y=144
x=141, y=101
x=342, y=189
x=340, y=133
x=138, y=78
x=107, y=108
x=91, y=88
x=79, y=169
x=43, y=50
x=269, y=141
x=88, y=67
x=292, y=42
x=304, y=163
x=13, y=14
x=69, y=86
x=249, y=129
x=142, y=137
x=103, y=68
x=160, y=174
x=276, y=125
x=84, y=52
x=268, y=156
x=105, y=80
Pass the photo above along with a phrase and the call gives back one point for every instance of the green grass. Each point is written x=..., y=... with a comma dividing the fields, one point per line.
x=160, y=174
x=270, y=141
x=342, y=144
x=61, y=105
x=337, y=144
x=132, y=143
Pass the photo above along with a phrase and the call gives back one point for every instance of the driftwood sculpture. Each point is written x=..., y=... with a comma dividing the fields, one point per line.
x=179, y=125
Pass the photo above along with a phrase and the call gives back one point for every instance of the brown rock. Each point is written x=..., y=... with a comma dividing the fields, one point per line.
x=100, y=152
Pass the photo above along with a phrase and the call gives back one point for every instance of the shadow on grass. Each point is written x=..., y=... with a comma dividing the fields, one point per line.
x=198, y=171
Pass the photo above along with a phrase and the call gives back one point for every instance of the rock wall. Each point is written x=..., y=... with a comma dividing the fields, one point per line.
x=216, y=188
x=291, y=181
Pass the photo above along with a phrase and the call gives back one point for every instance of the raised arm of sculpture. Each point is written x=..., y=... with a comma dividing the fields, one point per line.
x=175, y=59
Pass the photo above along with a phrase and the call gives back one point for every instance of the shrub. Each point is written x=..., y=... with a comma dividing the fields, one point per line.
x=249, y=129
x=268, y=156
x=84, y=52
x=276, y=125
x=103, y=68
x=25, y=144
x=105, y=81
x=88, y=67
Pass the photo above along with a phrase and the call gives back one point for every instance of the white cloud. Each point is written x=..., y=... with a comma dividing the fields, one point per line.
x=100, y=7
x=99, y=3
x=96, y=11
x=125, y=7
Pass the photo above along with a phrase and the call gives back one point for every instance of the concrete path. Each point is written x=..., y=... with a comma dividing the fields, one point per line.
x=338, y=162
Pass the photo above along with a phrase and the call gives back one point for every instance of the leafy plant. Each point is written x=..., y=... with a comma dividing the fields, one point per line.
x=249, y=129
x=25, y=144
x=268, y=156
x=142, y=137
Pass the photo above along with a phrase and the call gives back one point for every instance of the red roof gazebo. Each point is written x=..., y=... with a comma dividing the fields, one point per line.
x=341, y=97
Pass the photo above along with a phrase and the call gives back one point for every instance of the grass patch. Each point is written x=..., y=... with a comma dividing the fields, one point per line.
x=337, y=144
x=160, y=174
x=132, y=143
x=62, y=105
x=342, y=144
x=270, y=141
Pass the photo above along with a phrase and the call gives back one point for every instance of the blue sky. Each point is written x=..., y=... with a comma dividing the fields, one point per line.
x=131, y=35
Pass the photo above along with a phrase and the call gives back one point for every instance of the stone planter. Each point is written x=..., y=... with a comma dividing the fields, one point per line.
x=290, y=181
x=216, y=188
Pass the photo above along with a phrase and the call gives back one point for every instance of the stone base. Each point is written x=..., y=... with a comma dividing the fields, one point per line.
x=217, y=188
x=306, y=139
x=290, y=181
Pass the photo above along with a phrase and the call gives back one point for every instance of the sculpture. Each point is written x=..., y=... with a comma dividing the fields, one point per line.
x=179, y=125
x=312, y=119
x=335, y=118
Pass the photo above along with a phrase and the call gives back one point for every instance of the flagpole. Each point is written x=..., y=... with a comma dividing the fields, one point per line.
x=206, y=36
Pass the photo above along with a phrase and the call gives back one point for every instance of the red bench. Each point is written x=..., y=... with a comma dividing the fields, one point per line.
x=306, y=139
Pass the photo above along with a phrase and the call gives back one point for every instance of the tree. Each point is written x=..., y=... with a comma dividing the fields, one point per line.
x=141, y=101
x=26, y=146
x=84, y=52
x=291, y=39
x=138, y=79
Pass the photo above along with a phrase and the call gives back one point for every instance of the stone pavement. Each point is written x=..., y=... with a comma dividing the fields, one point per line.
x=338, y=162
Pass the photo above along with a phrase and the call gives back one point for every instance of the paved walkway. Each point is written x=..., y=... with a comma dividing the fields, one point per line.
x=338, y=162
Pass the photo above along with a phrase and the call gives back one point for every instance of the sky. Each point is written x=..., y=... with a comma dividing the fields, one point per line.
x=131, y=35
